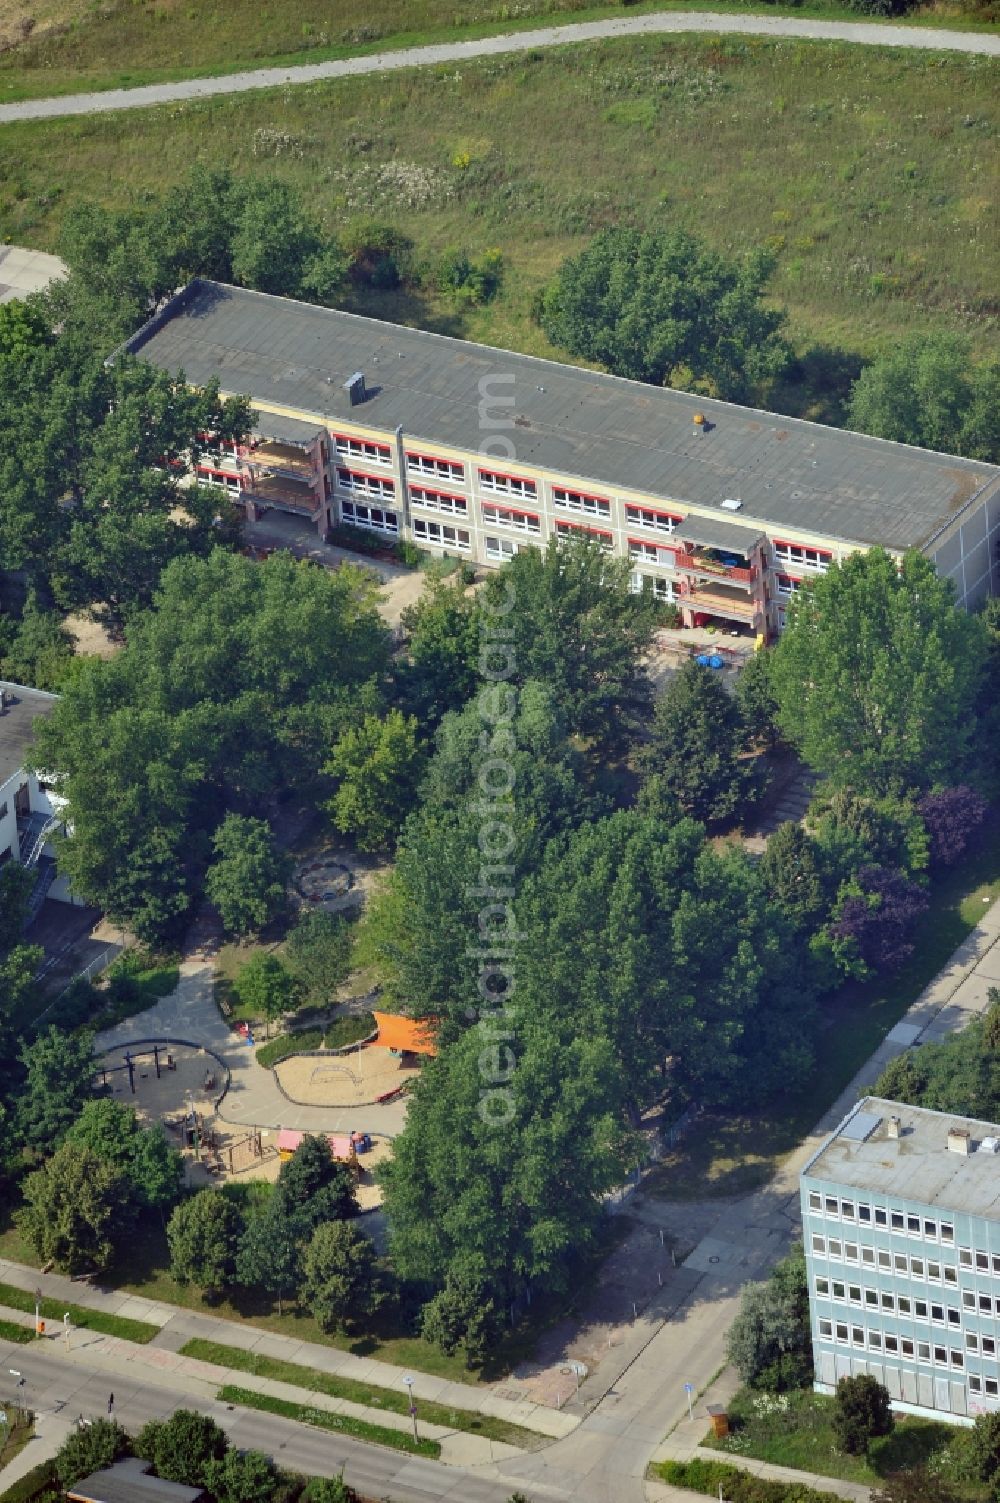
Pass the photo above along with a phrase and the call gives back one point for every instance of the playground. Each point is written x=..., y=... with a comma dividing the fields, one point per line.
x=334, y=879
x=371, y=1074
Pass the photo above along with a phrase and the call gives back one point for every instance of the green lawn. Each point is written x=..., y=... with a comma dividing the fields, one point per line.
x=359, y=1393
x=380, y=1435
x=19, y=1335
x=795, y=1430
x=870, y=173
x=731, y=1155
x=118, y=46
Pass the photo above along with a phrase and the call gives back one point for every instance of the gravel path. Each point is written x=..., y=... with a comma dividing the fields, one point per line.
x=872, y=34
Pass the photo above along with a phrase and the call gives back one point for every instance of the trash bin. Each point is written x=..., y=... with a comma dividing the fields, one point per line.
x=720, y=1420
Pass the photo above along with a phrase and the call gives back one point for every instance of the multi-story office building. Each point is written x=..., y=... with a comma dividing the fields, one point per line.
x=901, y=1223
x=477, y=452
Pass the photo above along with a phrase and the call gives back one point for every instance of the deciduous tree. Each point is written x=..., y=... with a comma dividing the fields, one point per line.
x=696, y=761
x=338, y=1282
x=377, y=766
x=928, y=391
x=90, y=1449
x=141, y=1154
x=77, y=1208
x=270, y=1251
x=248, y=875
x=314, y=1187
x=59, y=1069
x=182, y=1447
x=203, y=1234
x=318, y=952
x=266, y=986
x=863, y=1412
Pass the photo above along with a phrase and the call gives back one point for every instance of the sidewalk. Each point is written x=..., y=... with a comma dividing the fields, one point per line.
x=179, y=1326
x=50, y=1432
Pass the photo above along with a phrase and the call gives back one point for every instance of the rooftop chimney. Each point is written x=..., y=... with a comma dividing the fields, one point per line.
x=892, y=1127
x=959, y=1141
x=355, y=387
x=699, y=424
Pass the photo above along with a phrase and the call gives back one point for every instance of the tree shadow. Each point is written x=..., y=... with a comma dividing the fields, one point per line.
x=817, y=385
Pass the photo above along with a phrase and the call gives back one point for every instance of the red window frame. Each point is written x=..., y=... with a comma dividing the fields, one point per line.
x=384, y=451
x=633, y=506
x=453, y=464
x=515, y=479
x=582, y=495
x=512, y=511
x=211, y=469
x=650, y=543
x=823, y=553
x=363, y=475
x=428, y=490
x=598, y=532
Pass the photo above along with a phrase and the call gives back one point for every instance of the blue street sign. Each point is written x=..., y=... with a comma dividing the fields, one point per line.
x=689, y=1388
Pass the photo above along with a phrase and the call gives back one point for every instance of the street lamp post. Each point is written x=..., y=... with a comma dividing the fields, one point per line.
x=20, y=1387
x=413, y=1408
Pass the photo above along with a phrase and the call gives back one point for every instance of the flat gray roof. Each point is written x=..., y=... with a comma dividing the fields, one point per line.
x=286, y=430
x=916, y=1166
x=563, y=419
x=22, y=708
x=129, y=1482
x=714, y=533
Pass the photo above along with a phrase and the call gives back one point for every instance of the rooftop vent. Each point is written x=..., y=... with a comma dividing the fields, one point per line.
x=732, y=503
x=959, y=1141
x=699, y=424
x=892, y=1127
x=355, y=387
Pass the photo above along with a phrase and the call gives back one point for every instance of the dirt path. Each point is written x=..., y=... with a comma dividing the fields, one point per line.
x=867, y=33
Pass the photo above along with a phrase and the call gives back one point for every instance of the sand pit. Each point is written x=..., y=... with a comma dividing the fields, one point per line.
x=355, y=1079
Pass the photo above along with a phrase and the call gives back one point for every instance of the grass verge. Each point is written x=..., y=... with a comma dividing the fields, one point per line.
x=95, y=1320
x=119, y=46
x=796, y=1430
x=380, y=1435
x=20, y=1335
x=358, y=1393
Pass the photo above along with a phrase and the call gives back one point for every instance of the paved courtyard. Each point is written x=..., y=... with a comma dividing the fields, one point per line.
x=23, y=271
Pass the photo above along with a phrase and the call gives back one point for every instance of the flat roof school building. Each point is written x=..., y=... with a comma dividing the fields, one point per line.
x=901, y=1224
x=478, y=452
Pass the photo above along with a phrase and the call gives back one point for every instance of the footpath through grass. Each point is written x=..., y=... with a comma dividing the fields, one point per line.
x=94, y=1320
x=124, y=46
x=870, y=174
x=731, y=1155
x=380, y=1435
x=359, y=1393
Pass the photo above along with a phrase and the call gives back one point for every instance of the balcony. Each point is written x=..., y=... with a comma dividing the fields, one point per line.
x=720, y=600
x=287, y=460
x=281, y=493
x=709, y=563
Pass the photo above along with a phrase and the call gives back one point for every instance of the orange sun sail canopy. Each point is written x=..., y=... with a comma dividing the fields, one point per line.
x=415, y=1035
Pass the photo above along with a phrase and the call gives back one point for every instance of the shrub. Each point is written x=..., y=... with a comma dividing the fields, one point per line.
x=90, y=1449
x=951, y=816
x=737, y=1486
x=984, y=1446
x=862, y=1412
x=769, y=1341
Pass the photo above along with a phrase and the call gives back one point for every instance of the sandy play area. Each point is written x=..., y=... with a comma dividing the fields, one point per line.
x=355, y=1079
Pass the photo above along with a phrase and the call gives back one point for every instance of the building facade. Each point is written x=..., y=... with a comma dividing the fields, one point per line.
x=901, y=1226
x=722, y=511
x=30, y=809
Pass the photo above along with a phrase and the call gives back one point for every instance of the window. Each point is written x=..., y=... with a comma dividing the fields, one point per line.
x=888, y=1300
x=913, y=1225
x=815, y=1199
x=839, y=1290
x=365, y=485
x=833, y=1247
x=661, y=589
x=644, y=516
x=884, y=1259
x=372, y=517
x=434, y=469
x=930, y=1230
x=901, y=1261
x=823, y=1286
x=968, y=1299
x=506, y=516
x=881, y=1219
x=954, y=1316
x=841, y=1329
x=971, y=1341
x=650, y=553
x=988, y=1345
x=438, y=501
x=964, y=1256
x=826, y=1328
x=832, y=1205
x=507, y=485
x=847, y=1210
x=818, y=1243
x=975, y=1386
x=917, y=1267
x=786, y=586
x=441, y=534
x=851, y=1252
x=896, y=1219
x=864, y=1213
x=996, y=1262
x=906, y=1346
x=920, y=1309
x=947, y=1232
x=362, y=448
x=5, y=810
x=986, y=1304
x=923, y=1351
x=858, y=1335
x=576, y=529
x=504, y=548
x=940, y=1354
x=957, y=1357
x=934, y=1272
x=225, y=478
x=937, y=1314
x=854, y=1293
x=891, y=1343
x=871, y=1296
x=796, y=556
x=868, y=1256
x=875, y=1340
x=903, y=1304
x=983, y=1262
x=950, y=1275
x=991, y=1386
x=592, y=506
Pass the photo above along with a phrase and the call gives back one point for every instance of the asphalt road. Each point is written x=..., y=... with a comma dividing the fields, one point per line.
x=72, y=1389
x=868, y=33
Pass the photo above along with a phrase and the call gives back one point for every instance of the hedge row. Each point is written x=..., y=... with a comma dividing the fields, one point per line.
x=700, y=1476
